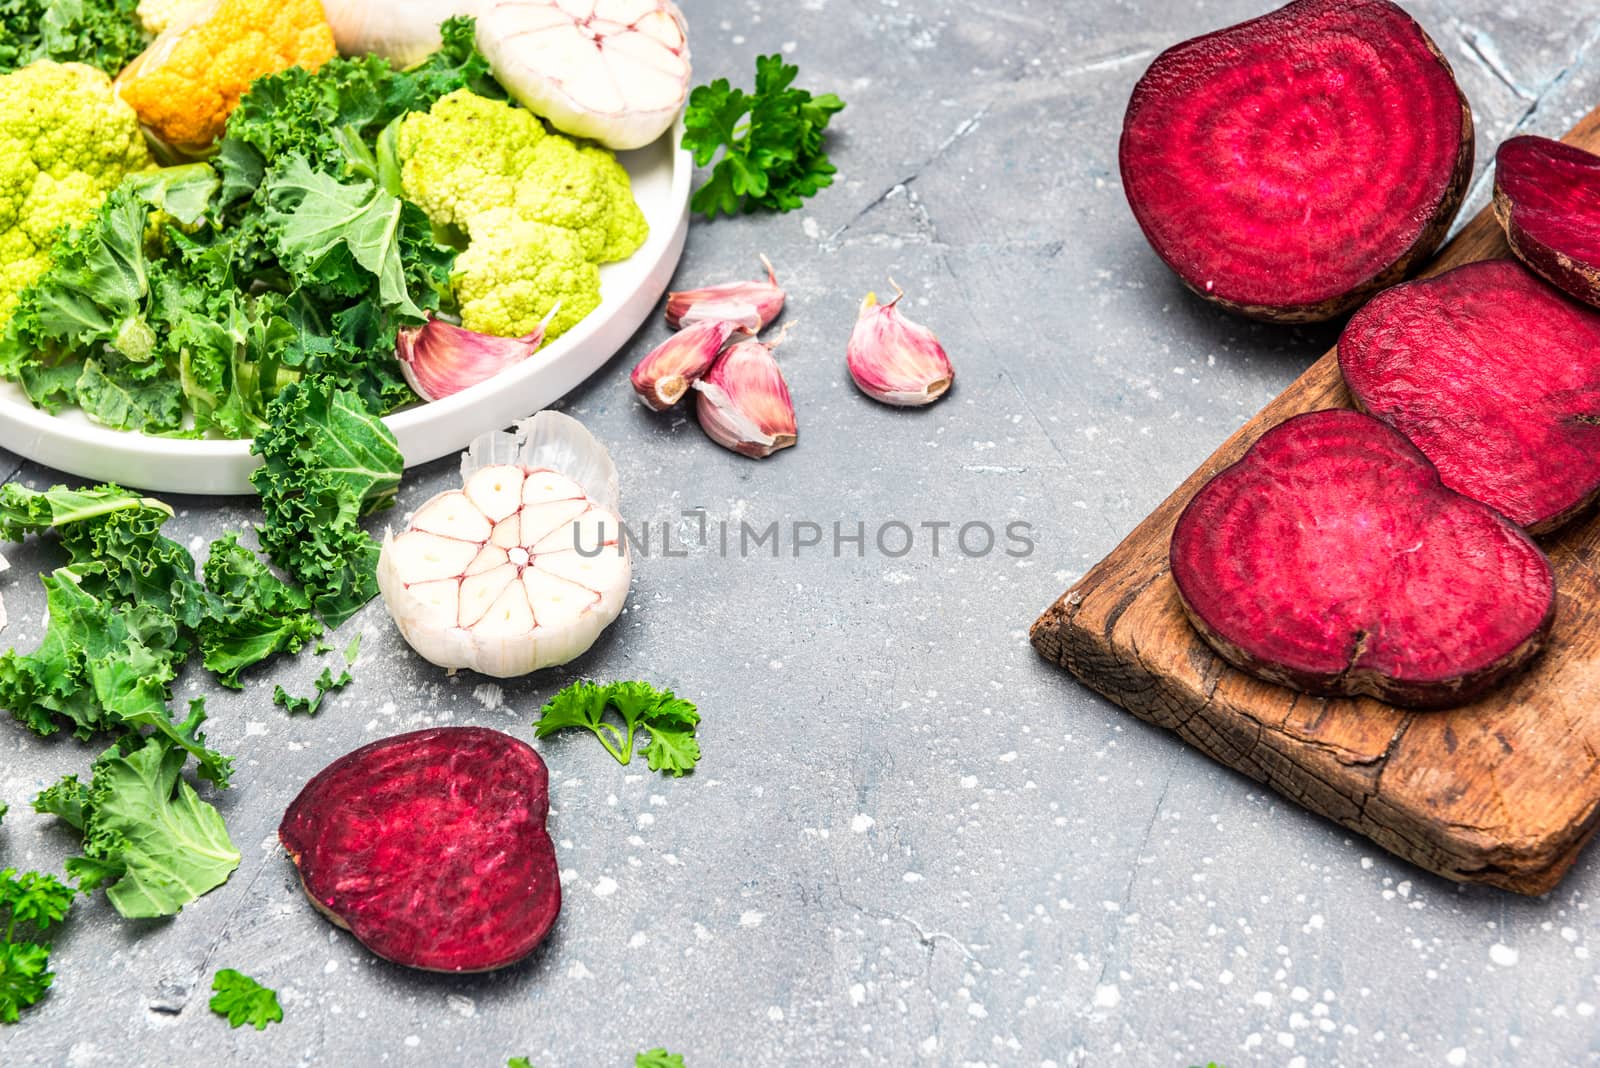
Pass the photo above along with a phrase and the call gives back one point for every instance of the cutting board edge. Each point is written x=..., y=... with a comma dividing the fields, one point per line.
x=1534, y=865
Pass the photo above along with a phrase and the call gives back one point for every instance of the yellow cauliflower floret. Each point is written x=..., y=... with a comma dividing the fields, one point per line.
x=516, y=270
x=187, y=83
x=540, y=210
x=65, y=142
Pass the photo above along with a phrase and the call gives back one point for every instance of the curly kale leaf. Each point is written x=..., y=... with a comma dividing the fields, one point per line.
x=101, y=33
x=147, y=836
x=327, y=463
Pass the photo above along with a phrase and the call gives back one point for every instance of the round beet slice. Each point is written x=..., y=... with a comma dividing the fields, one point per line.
x=1333, y=560
x=1495, y=376
x=1290, y=165
x=431, y=849
x=1547, y=196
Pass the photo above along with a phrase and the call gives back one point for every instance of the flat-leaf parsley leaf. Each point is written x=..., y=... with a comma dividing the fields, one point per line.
x=669, y=720
x=244, y=1001
x=770, y=141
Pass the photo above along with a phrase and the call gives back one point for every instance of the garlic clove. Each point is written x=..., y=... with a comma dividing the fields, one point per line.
x=665, y=375
x=744, y=403
x=753, y=305
x=545, y=486
x=496, y=491
x=552, y=519
x=493, y=583
x=440, y=358
x=480, y=592
x=895, y=360
x=509, y=616
x=427, y=557
x=560, y=602
x=507, y=533
x=488, y=558
x=452, y=515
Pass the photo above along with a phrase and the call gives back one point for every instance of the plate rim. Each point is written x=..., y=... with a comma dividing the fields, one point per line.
x=31, y=427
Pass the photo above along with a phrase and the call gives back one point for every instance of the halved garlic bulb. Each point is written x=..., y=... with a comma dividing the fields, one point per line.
x=522, y=567
x=614, y=71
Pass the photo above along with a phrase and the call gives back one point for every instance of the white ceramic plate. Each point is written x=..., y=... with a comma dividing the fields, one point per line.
x=629, y=290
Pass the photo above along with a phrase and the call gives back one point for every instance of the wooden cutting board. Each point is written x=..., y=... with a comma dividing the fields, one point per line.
x=1505, y=791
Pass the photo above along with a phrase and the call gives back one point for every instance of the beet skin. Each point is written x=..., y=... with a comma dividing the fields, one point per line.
x=1290, y=165
x=1547, y=196
x=431, y=848
x=1332, y=559
x=1495, y=376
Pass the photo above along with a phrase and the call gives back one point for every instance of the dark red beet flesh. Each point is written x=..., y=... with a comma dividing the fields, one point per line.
x=1333, y=560
x=431, y=848
x=1495, y=376
x=1547, y=196
x=1287, y=166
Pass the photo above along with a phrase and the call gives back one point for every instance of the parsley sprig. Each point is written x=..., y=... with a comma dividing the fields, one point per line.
x=771, y=141
x=244, y=1001
x=30, y=904
x=668, y=719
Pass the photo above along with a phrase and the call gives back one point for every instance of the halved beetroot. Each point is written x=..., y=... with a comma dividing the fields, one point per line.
x=431, y=849
x=1495, y=376
x=1547, y=196
x=1333, y=560
x=1290, y=165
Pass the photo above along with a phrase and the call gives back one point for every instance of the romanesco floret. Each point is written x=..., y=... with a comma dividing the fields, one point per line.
x=540, y=210
x=516, y=269
x=65, y=142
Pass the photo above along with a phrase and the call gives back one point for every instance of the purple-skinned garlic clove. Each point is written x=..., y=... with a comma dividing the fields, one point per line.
x=895, y=360
x=441, y=358
x=744, y=403
x=753, y=305
x=663, y=377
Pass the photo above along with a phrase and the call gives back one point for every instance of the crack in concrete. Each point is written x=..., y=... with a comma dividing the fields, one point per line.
x=182, y=993
x=1549, y=88
x=928, y=939
x=21, y=463
x=1133, y=867
x=1485, y=54
x=832, y=242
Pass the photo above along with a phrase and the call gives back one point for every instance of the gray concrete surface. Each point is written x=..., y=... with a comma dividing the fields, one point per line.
x=910, y=841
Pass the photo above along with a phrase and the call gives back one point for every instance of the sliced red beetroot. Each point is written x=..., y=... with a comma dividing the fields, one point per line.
x=431, y=849
x=1495, y=376
x=1290, y=165
x=1547, y=196
x=1333, y=560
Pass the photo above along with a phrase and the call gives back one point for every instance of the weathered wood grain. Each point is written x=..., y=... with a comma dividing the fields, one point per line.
x=1504, y=791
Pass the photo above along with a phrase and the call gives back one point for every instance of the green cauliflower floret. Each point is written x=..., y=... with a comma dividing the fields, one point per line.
x=540, y=210
x=515, y=271
x=66, y=140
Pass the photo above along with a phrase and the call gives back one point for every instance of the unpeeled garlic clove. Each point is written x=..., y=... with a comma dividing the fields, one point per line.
x=744, y=403
x=440, y=358
x=895, y=360
x=753, y=305
x=664, y=376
